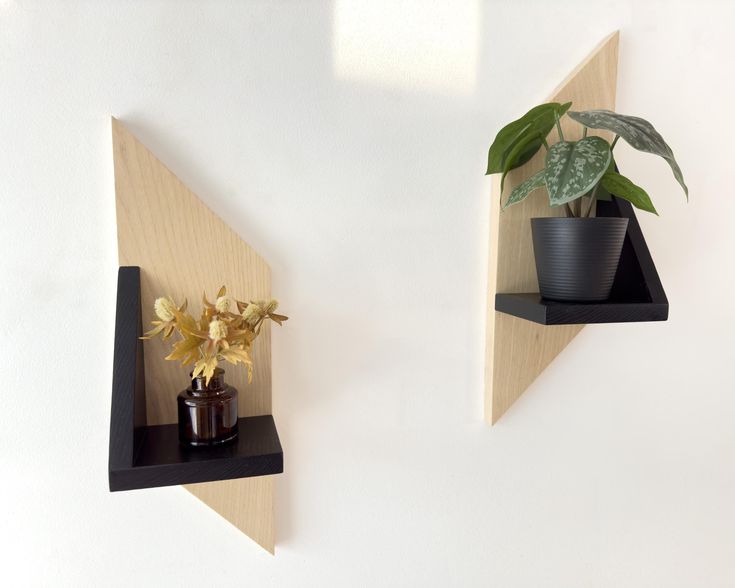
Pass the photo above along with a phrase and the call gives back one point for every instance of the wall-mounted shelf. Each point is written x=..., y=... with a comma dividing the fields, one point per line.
x=146, y=456
x=637, y=293
x=531, y=307
x=182, y=248
x=524, y=332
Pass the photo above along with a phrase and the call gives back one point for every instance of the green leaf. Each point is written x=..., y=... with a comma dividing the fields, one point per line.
x=524, y=189
x=602, y=193
x=515, y=155
x=623, y=188
x=574, y=167
x=529, y=131
x=639, y=133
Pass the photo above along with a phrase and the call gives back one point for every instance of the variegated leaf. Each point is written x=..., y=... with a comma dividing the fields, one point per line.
x=524, y=189
x=532, y=137
x=518, y=141
x=574, y=167
x=638, y=132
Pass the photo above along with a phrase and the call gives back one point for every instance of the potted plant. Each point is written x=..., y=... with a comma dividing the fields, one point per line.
x=226, y=330
x=577, y=255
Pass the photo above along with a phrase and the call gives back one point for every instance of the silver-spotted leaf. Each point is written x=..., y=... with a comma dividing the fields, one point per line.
x=518, y=141
x=574, y=167
x=623, y=188
x=638, y=132
x=525, y=188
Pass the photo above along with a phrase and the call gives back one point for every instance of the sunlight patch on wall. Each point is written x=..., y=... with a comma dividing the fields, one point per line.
x=414, y=44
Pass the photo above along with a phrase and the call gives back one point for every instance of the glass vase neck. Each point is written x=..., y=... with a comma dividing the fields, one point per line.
x=216, y=383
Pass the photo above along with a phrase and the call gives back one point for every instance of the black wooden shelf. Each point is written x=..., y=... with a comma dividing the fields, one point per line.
x=147, y=456
x=637, y=294
x=532, y=307
x=163, y=461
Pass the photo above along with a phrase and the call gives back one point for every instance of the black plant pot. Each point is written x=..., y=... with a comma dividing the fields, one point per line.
x=576, y=258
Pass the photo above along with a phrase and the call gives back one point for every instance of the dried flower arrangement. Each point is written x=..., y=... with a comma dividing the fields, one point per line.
x=225, y=331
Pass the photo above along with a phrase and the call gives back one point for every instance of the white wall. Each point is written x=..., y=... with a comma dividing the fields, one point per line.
x=348, y=146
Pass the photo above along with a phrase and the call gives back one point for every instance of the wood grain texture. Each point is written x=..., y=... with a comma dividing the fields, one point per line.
x=247, y=504
x=182, y=247
x=517, y=350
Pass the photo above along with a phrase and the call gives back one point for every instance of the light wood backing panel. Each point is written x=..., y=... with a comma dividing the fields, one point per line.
x=248, y=506
x=183, y=248
x=517, y=351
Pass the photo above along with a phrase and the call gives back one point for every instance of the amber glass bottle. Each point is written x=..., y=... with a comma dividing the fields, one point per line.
x=208, y=413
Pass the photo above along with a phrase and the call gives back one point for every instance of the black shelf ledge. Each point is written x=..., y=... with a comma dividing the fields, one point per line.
x=532, y=307
x=637, y=294
x=148, y=456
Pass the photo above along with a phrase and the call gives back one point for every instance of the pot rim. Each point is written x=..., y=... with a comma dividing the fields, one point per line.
x=575, y=218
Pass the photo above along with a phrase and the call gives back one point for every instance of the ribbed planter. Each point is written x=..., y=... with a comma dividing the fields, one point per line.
x=577, y=258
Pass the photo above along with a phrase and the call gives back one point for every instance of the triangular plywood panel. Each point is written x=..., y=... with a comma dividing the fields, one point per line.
x=518, y=350
x=182, y=248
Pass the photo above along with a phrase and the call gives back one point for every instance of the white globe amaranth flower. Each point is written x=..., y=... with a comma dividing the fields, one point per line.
x=217, y=330
x=222, y=304
x=270, y=306
x=252, y=314
x=165, y=309
x=267, y=306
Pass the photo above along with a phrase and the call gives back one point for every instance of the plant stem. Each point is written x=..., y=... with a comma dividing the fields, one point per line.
x=592, y=200
x=615, y=140
x=569, y=211
x=545, y=143
x=558, y=128
x=584, y=132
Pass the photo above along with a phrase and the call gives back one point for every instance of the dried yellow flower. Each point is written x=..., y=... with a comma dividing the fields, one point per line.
x=269, y=306
x=222, y=304
x=219, y=335
x=165, y=308
x=252, y=314
x=217, y=330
